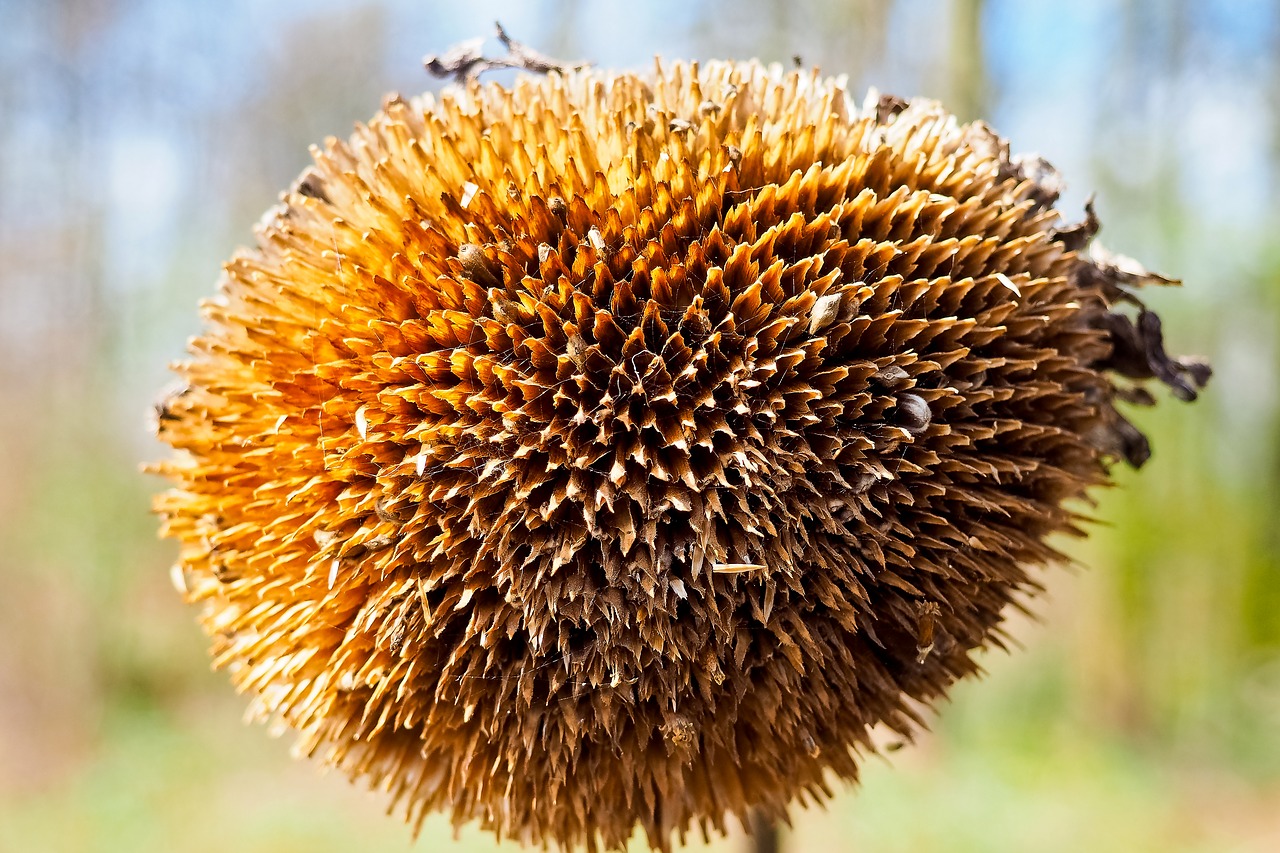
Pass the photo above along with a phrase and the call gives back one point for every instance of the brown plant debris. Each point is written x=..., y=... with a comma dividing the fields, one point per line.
x=615, y=451
x=466, y=61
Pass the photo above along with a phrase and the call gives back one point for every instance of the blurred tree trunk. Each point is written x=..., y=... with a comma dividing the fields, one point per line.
x=966, y=65
x=852, y=39
x=1262, y=592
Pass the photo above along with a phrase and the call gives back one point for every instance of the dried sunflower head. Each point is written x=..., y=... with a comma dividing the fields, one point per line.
x=616, y=451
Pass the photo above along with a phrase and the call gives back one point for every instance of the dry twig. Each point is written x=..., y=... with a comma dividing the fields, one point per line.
x=466, y=61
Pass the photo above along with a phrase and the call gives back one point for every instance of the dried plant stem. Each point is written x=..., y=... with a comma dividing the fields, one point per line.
x=466, y=61
x=764, y=835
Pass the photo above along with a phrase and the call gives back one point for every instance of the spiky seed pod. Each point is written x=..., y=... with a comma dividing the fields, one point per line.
x=615, y=451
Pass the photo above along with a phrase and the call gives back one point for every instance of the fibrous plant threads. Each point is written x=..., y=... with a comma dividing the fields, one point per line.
x=615, y=451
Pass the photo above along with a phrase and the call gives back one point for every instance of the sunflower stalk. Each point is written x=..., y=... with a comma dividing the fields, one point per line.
x=765, y=836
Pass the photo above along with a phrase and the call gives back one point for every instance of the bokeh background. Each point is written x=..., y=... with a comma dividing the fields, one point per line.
x=139, y=141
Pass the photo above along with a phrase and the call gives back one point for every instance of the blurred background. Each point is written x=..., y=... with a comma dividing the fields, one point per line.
x=139, y=141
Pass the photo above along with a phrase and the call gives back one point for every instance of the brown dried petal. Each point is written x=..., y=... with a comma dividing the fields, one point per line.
x=1138, y=353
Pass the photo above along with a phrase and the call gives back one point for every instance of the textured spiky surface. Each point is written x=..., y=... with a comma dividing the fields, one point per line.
x=616, y=451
